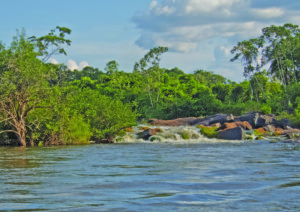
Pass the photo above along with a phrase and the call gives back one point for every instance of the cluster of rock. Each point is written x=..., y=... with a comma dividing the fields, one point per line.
x=231, y=127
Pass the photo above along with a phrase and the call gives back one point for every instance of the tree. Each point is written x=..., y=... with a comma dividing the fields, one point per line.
x=151, y=60
x=24, y=78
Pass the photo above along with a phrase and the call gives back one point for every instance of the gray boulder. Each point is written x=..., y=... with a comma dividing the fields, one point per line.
x=250, y=117
x=264, y=120
x=146, y=134
x=236, y=133
x=218, y=118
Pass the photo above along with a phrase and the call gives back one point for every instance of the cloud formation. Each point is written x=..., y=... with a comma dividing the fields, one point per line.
x=53, y=61
x=182, y=24
x=72, y=65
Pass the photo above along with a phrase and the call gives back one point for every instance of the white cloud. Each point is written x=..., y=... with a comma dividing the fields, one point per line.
x=153, y=4
x=71, y=64
x=269, y=13
x=53, y=61
x=182, y=24
x=196, y=6
x=82, y=65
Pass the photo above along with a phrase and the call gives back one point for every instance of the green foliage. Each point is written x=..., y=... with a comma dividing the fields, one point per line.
x=209, y=132
x=185, y=136
x=265, y=109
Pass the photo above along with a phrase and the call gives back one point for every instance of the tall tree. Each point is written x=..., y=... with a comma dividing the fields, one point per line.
x=149, y=67
x=24, y=78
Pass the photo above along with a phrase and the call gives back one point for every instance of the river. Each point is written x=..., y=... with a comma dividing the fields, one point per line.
x=245, y=176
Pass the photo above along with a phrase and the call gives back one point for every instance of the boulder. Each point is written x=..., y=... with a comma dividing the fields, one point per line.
x=174, y=122
x=210, y=120
x=283, y=123
x=146, y=134
x=290, y=133
x=269, y=128
x=245, y=125
x=217, y=125
x=278, y=131
x=264, y=120
x=236, y=133
x=251, y=118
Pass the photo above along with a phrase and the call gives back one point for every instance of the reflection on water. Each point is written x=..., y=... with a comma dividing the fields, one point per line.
x=151, y=177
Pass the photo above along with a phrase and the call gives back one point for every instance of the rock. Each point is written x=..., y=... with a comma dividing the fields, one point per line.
x=283, y=123
x=146, y=134
x=157, y=130
x=269, y=128
x=108, y=140
x=278, y=131
x=174, y=122
x=290, y=133
x=251, y=118
x=217, y=125
x=236, y=133
x=259, y=131
x=210, y=120
x=264, y=120
x=245, y=125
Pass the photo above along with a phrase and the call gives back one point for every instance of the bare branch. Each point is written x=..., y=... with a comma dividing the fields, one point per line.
x=8, y=131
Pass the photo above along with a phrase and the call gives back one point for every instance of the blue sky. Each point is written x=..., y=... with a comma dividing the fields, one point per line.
x=199, y=33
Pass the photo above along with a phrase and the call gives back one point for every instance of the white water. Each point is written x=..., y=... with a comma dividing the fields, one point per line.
x=170, y=135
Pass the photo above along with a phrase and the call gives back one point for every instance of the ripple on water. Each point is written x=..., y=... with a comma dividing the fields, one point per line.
x=151, y=177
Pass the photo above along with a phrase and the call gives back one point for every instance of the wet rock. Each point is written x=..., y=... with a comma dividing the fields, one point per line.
x=210, y=120
x=251, y=118
x=269, y=128
x=146, y=134
x=264, y=120
x=245, y=125
x=260, y=131
x=284, y=124
x=174, y=122
x=278, y=131
x=236, y=133
x=217, y=125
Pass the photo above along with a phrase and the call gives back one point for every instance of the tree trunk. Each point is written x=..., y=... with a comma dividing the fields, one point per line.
x=21, y=130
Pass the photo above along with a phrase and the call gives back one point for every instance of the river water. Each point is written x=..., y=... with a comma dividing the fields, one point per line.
x=245, y=176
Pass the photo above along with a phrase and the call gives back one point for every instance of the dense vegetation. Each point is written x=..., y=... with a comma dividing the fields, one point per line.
x=43, y=103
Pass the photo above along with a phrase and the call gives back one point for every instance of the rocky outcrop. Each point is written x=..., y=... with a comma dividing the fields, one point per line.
x=264, y=120
x=174, y=122
x=244, y=125
x=236, y=133
x=228, y=127
x=210, y=120
x=251, y=118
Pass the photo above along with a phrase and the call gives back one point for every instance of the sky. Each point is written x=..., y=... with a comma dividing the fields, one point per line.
x=199, y=33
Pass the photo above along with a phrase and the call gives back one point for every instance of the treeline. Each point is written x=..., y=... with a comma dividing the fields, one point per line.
x=43, y=103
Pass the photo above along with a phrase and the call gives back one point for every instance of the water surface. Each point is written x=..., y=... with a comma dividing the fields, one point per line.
x=151, y=177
